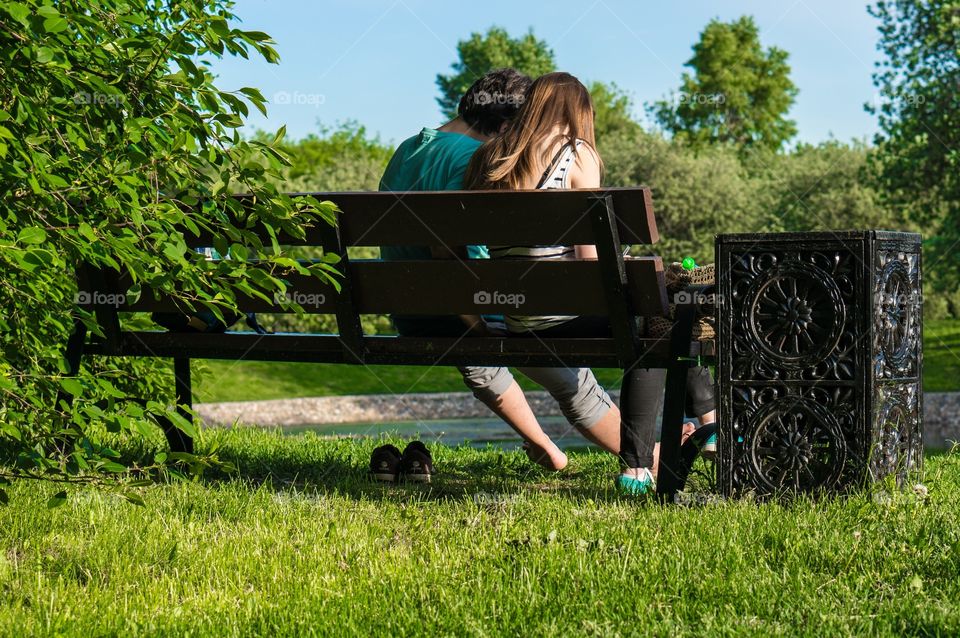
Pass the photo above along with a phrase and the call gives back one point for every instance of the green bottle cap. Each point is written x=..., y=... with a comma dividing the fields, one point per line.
x=688, y=263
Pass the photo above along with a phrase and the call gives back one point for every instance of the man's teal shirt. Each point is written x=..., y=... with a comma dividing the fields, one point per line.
x=430, y=161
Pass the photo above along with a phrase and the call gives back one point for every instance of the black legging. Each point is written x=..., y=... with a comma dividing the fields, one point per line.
x=641, y=393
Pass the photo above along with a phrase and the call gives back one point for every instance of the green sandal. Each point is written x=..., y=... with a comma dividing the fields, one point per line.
x=636, y=486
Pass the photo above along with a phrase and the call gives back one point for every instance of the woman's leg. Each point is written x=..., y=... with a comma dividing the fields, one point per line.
x=641, y=396
x=605, y=433
x=583, y=402
x=701, y=400
x=496, y=388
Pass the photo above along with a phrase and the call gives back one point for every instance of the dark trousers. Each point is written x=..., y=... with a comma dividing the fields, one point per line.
x=641, y=393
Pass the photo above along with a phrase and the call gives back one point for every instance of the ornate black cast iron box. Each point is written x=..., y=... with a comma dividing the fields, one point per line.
x=820, y=360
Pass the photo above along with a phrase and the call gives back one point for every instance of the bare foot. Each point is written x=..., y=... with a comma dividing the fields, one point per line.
x=550, y=459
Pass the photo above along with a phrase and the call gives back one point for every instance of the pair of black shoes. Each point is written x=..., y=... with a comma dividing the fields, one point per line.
x=415, y=464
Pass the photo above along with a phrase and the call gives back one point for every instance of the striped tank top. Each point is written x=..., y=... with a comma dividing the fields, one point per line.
x=556, y=176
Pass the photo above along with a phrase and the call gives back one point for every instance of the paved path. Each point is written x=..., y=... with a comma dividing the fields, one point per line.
x=941, y=410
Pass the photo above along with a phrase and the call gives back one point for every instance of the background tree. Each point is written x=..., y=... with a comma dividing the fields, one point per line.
x=738, y=93
x=696, y=194
x=613, y=111
x=919, y=146
x=481, y=53
x=344, y=157
x=496, y=49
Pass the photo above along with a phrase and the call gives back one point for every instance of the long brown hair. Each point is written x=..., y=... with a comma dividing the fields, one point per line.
x=519, y=156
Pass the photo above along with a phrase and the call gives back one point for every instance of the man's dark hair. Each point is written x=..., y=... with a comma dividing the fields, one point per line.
x=494, y=99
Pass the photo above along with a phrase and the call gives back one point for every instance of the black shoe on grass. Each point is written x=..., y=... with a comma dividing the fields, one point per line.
x=385, y=463
x=416, y=464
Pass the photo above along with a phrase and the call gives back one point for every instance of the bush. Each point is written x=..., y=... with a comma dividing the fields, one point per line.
x=695, y=196
x=111, y=132
x=822, y=187
x=699, y=193
x=342, y=158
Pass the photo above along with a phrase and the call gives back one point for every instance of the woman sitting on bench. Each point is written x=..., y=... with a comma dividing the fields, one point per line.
x=550, y=145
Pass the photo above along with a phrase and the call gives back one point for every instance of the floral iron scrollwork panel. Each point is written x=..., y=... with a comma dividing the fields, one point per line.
x=897, y=314
x=793, y=308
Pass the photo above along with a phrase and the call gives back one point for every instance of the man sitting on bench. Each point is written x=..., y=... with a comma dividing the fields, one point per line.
x=437, y=159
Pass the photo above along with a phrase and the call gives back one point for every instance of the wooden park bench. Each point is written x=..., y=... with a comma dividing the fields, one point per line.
x=622, y=289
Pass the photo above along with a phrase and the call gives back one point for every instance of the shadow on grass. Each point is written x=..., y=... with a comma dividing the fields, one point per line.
x=311, y=464
x=339, y=466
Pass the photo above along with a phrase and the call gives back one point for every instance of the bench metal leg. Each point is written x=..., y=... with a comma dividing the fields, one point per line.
x=671, y=475
x=73, y=355
x=179, y=441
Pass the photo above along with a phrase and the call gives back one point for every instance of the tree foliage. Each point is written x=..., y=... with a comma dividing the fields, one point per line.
x=341, y=158
x=919, y=113
x=496, y=49
x=112, y=133
x=695, y=195
x=738, y=93
x=698, y=193
x=481, y=53
x=612, y=110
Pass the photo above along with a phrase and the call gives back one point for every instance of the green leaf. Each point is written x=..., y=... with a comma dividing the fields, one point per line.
x=44, y=55
x=173, y=251
x=17, y=11
x=57, y=499
x=87, y=231
x=4, y=499
x=184, y=425
x=186, y=457
x=32, y=235
x=11, y=430
x=55, y=25
x=72, y=386
x=134, y=498
x=257, y=36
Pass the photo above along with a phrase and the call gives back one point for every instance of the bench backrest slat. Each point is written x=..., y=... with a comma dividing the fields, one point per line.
x=451, y=287
x=459, y=218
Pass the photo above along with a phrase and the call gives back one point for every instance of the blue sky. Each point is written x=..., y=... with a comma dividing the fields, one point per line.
x=375, y=61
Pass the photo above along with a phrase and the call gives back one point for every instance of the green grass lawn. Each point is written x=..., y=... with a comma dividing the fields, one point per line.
x=254, y=380
x=941, y=356
x=300, y=543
